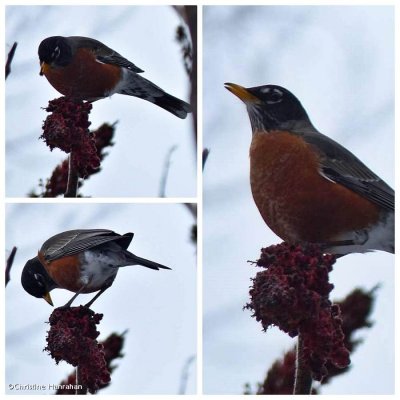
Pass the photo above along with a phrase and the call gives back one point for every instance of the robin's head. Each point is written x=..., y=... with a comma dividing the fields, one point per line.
x=270, y=107
x=36, y=281
x=55, y=50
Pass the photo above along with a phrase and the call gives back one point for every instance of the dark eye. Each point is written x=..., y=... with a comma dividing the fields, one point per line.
x=275, y=96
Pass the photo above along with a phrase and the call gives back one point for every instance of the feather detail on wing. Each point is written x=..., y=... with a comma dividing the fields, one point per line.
x=75, y=241
x=341, y=166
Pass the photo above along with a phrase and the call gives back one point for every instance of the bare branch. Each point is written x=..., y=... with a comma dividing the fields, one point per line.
x=303, y=380
x=185, y=374
x=192, y=207
x=189, y=47
x=191, y=12
x=206, y=153
x=73, y=178
x=167, y=164
x=10, y=58
x=9, y=264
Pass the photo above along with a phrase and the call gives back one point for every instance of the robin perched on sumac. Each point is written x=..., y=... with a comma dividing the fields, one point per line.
x=307, y=187
x=85, y=69
x=82, y=261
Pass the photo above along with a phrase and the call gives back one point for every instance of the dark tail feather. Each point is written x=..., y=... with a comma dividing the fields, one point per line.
x=173, y=105
x=136, y=85
x=144, y=262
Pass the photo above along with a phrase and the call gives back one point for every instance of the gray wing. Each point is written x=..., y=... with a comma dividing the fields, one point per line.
x=341, y=166
x=75, y=241
x=117, y=59
x=103, y=53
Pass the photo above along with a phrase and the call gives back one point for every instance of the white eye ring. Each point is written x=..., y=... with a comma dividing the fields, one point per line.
x=55, y=53
x=38, y=279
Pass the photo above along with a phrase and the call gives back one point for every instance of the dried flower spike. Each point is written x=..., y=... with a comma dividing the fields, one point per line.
x=293, y=294
x=66, y=128
x=72, y=338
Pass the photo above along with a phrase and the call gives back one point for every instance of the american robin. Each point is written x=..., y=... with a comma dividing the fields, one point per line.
x=86, y=69
x=307, y=187
x=82, y=261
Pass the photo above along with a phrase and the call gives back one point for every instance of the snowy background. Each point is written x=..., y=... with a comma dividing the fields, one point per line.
x=339, y=61
x=145, y=132
x=158, y=308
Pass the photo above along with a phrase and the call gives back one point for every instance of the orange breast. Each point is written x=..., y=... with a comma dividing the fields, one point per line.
x=295, y=201
x=84, y=78
x=65, y=272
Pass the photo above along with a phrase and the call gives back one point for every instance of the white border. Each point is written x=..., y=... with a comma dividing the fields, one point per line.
x=199, y=198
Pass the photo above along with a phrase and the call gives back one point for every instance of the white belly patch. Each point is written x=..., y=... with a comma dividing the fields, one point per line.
x=97, y=268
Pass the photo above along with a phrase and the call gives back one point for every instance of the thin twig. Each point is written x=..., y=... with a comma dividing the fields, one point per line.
x=73, y=177
x=10, y=58
x=185, y=374
x=303, y=380
x=167, y=164
x=80, y=388
x=192, y=207
x=9, y=264
x=206, y=153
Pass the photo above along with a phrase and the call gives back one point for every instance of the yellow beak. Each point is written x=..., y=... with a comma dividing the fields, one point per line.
x=47, y=297
x=242, y=93
x=43, y=67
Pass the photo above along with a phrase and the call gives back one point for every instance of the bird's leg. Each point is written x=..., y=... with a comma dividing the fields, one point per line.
x=74, y=297
x=96, y=297
x=105, y=287
x=360, y=238
x=336, y=243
